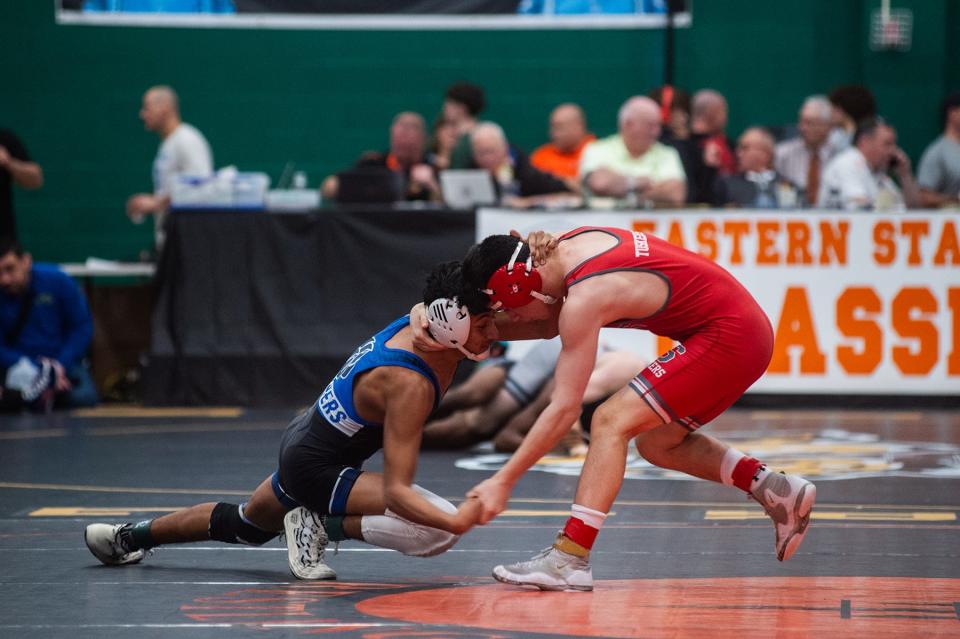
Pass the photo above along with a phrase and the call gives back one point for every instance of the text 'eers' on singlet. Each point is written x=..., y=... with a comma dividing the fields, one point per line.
x=336, y=406
x=698, y=291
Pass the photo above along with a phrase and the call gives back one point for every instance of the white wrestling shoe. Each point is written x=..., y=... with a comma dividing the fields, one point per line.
x=306, y=545
x=552, y=569
x=110, y=543
x=788, y=499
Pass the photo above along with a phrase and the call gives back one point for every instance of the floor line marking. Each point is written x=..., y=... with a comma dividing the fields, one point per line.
x=176, y=429
x=138, y=411
x=513, y=500
x=34, y=434
x=736, y=515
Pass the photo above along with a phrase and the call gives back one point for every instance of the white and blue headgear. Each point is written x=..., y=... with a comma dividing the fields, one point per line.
x=449, y=323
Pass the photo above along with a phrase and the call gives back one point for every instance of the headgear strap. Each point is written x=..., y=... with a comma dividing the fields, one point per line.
x=509, y=287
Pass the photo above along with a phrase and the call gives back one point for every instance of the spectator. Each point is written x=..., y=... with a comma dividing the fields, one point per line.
x=462, y=105
x=406, y=155
x=517, y=182
x=633, y=162
x=708, y=125
x=939, y=172
x=801, y=159
x=757, y=185
x=46, y=329
x=675, y=117
x=568, y=137
x=851, y=104
x=442, y=143
x=15, y=167
x=183, y=150
x=674, y=110
x=858, y=177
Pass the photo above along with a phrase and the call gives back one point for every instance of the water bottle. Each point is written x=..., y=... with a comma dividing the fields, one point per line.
x=299, y=180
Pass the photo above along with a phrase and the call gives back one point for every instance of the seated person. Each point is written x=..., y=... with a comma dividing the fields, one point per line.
x=939, y=171
x=708, y=126
x=675, y=116
x=517, y=182
x=474, y=411
x=859, y=177
x=502, y=401
x=407, y=155
x=757, y=184
x=802, y=159
x=442, y=143
x=612, y=372
x=568, y=137
x=46, y=328
x=633, y=163
x=463, y=103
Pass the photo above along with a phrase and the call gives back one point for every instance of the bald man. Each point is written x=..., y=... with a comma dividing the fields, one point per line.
x=568, y=137
x=183, y=150
x=757, y=184
x=632, y=163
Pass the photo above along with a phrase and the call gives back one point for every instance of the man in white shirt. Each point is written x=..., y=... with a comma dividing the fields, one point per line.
x=858, y=178
x=183, y=150
x=632, y=162
x=802, y=159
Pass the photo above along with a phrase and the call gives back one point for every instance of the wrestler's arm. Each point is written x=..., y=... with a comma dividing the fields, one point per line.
x=408, y=402
x=579, y=331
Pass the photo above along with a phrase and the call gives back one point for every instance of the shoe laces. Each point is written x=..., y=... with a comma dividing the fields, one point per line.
x=123, y=539
x=536, y=558
x=309, y=540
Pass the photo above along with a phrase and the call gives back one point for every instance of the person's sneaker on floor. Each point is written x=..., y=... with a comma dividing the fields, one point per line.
x=112, y=544
x=788, y=499
x=552, y=569
x=306, y=545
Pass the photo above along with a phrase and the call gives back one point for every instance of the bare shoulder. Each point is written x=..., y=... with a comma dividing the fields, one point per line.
x=401, y=382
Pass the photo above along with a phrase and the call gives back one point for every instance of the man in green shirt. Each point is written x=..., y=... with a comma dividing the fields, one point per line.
x=632, y=163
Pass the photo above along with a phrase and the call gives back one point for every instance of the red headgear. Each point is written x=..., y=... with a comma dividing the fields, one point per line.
x=511, y=287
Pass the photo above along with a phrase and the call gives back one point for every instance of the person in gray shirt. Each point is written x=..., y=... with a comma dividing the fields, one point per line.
x=939, y=171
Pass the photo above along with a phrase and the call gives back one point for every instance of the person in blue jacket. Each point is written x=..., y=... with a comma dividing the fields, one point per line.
x=45, y=330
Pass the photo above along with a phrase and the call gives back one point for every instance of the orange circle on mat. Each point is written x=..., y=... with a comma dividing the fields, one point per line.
x=695, y=608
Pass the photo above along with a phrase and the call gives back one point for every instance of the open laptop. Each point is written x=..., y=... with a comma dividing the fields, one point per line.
x=467, y=188
x=369, y=185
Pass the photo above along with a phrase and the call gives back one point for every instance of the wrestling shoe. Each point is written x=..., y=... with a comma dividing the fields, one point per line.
x=552, y=569
x=111, y=544
x=788, y=499
x=306, y=545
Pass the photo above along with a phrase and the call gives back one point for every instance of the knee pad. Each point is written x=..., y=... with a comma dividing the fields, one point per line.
x=436, y=542
x=227, y=524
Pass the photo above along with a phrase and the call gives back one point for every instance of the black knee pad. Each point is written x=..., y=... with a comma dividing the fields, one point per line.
x=227, y=525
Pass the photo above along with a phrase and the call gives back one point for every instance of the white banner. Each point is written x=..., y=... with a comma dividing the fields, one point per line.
x=861, y=303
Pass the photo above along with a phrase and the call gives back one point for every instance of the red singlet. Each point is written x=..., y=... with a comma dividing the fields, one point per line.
x=725, y=338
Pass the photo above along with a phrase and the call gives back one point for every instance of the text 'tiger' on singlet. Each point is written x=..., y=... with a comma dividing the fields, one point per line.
x=698, y=291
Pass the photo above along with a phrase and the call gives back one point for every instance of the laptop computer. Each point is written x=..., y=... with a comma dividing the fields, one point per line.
x=467, y=188
x=369, y=185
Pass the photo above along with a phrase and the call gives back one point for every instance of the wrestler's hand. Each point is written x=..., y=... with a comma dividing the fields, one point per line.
x=493, y=495
x=468, y=516
x=541, y=243
x=420, y=328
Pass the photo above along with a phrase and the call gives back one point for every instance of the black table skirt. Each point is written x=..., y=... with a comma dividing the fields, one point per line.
x=261, y=309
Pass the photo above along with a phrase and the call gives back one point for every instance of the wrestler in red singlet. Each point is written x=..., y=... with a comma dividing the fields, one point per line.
x=725, y=338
